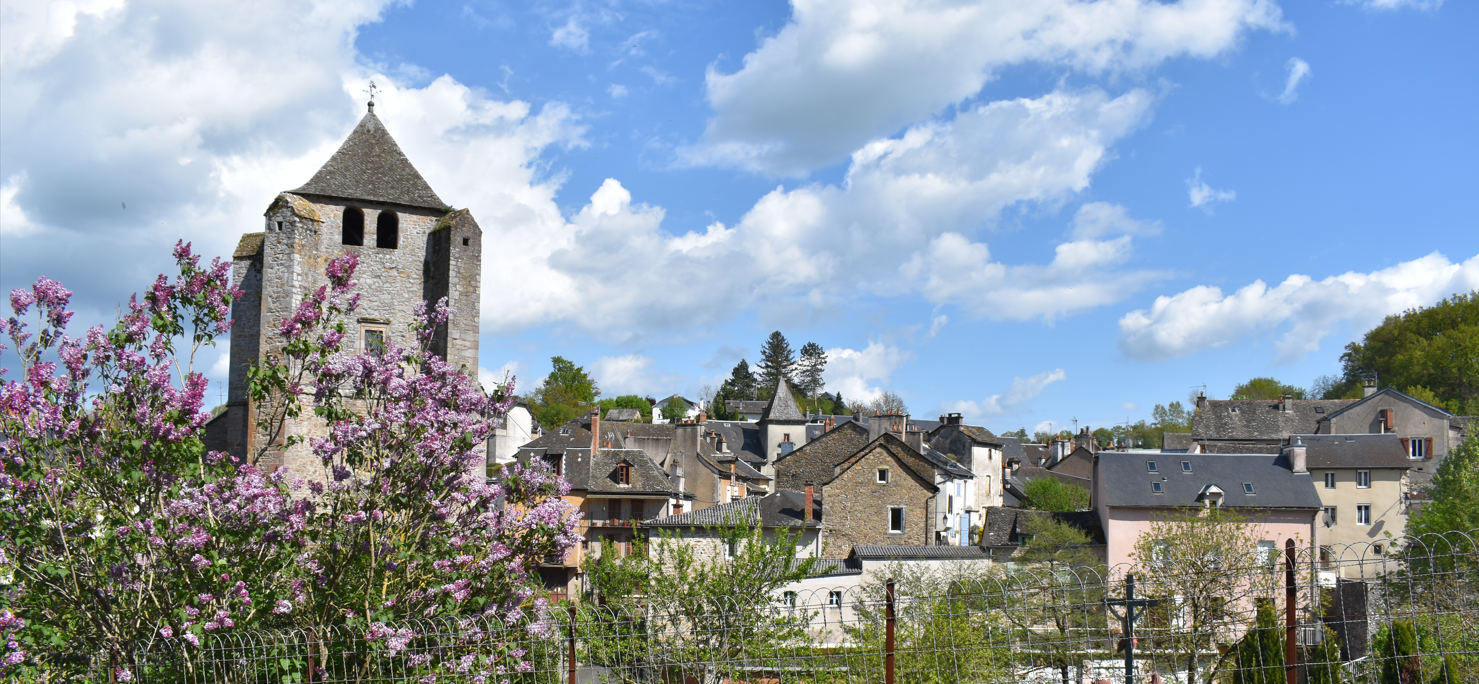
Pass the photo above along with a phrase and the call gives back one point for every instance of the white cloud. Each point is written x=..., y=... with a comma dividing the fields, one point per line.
x=572, y=36
x=1097, y=219
x=860, y=374
x=1425, y=5
x=1129, y=407
x=938, y=322
x=1299, y=71
x=510, y=370
x=842, y=73
x=1203, y=196
x=1203, y=318
x=634, y=374
x=1021, y=391
x=617, y=90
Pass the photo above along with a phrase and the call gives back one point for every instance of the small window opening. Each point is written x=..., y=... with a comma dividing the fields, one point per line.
x=789, y=598
x=354, y=227
x=1248, y=488
x=1330, y=480
x=1152, y=467
x=1363, y=479
x=555, y=463
x=468, y=241
x=1232, y=409
x=834, y=599
x=896, y=520
x=883, y=476
x=279, y=225
x=372, y=340
x=1157, y=488
x=387, y=230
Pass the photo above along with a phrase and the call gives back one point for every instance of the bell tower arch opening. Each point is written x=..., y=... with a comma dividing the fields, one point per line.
x=387, y=230
x=354, y=227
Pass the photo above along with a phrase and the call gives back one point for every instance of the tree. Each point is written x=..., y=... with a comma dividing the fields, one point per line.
x=888, y=402
x=1056, y=544
x=627, y=401
x=675, y=409
x=567, y=392
x=809, y=369
x=1259, y=655
x=1265, y=389
x=1206, y=559
x=1063, y=551
x=777, y=361
x=1104, y=436
x=1171, y=418
x=1436, y=347
x=1020, y=434
x=1455, y=493
x=1334, y=387
x=742, y=383
x=1051, y=494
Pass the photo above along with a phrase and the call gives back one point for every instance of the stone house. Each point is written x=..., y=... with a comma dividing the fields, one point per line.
x=1245, y=426
x=1362, y=484
x=782, y=426
x=705, y=473
x=1133, y=489
x=1426, y=432
x=369, y=200
x=883, y=494
x=976, y=449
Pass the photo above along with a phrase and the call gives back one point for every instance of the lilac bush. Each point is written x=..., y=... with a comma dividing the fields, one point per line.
x=118, y=527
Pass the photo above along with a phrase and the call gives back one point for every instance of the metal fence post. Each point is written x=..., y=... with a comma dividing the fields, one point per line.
x=572, y=641
x=888, y=632
x=1291, y=596
x=113, y=663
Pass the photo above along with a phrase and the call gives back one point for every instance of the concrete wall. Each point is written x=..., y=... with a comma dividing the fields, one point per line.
x=1388, y=510
x=516, y=431
x=857, y=505
x=1123, y=527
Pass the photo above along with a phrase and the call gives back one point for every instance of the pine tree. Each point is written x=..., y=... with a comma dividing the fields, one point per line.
x=809, y=369
x=777, y=361
x=742, y=382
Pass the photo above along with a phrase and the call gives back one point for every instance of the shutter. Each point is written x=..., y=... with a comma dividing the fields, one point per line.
x=1406, y=448
x=1391, y=419
x=1428, y=447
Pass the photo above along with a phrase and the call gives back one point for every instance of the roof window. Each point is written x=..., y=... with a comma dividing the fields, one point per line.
x=1186, y=466
x=1152, y=467
x=624, y=474
x=1248, y=488
x=1319, y=409
x=1232, y=409
x=564, y=431
x=1157, y=488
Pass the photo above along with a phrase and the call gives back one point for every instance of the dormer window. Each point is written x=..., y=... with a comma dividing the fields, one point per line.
x=387, y=230
x=354, y=227
x=624, y=474
x=564, y=431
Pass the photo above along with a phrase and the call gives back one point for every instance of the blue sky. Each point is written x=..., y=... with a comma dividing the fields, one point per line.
x=1027, y=212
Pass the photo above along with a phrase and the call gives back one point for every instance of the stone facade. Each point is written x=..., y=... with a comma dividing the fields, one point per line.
x=412, y=248
x=858, y=505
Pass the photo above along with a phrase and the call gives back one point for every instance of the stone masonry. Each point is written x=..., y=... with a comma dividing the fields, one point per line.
x=435, y=252
x=858, y=505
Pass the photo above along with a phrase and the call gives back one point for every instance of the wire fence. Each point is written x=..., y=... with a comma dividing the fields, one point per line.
x=1402, y=612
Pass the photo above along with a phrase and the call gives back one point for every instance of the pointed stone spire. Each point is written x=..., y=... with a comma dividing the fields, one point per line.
x=370, y=166
x=782, y=406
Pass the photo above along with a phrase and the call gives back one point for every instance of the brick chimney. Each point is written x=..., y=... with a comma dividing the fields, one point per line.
x=810, y=492
x=703, y=415
x=595, y=433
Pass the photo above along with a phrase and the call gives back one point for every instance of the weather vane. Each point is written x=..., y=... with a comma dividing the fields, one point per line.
x=372, y=90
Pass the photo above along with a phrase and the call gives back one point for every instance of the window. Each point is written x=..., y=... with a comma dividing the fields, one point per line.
x=1330, y=480
x=834, y=599
x=729, y=549
x=950, y=505
x=354, y=227
x=1417, y=448
x=1329, y=516
x=883, y=476
x=1232, y=409
x=1363, y=514
x=372, y=339
x=1152, y=467
x=895, y=520
x=555, y=463
x=1248, y=488
x=1186, y=466
x=1363, y=479
x=1157, y=488
x=466, y=241
x=785, y=436
x=1268, y=552
x=387, y=230
x=789, y=598
x=624, y=474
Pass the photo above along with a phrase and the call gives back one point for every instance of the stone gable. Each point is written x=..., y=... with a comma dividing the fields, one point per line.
x=858, y=505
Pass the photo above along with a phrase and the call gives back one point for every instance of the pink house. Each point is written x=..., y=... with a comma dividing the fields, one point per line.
x=1133, y=488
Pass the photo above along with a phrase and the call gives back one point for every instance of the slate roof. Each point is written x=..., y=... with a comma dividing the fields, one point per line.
x=740, y=437
x=1331, y=452
x=598, y=475
x=576, y=436
x=1035, y=453
x=1176, y=441
x=1003, y=524
x=976, y=432
x=781, y=509
x=1235, y=448
x=944, y=463
x=746, y=406
x=1011, y=448
x=833, y=567
x=1126, y=481
x=1229, y=419
x=816, y=460
x=884, y=552
x=371, y=166
x=783, y=406
x=623, y=415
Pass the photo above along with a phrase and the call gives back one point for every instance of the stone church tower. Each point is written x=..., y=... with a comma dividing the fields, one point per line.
x=368, y=199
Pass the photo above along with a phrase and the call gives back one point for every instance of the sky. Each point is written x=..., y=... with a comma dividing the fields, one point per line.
x=1038, y=214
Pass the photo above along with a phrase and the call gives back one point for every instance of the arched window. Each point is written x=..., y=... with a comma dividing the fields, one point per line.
x=387, y=230
x=354, y=226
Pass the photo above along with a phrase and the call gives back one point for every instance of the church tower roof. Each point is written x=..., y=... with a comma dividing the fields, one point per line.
x=370, y=166
x=782, y=406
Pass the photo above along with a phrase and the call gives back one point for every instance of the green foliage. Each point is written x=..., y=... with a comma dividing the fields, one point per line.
x=1052, y=494
x=1260, y=653
x=1265, y=389
x=1455, y=493
x=567, y=392
x=742, y=383
x=675, y=409
x=1104, y=436
x=943, y=608
x=629, y=401
x=1020, y=434
x=777, y=361
x=1171, y=418
x=1435, y=348
x=1397, y=650
x=809, y=369
x=1056, y=544
x=1322, y=660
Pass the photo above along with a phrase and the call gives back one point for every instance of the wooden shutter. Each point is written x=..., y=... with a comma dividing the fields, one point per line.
x=1406, y=448
x=1428, y=447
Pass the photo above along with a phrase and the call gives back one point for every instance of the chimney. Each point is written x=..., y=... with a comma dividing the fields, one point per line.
x=1298, y=455
x=915, y=440
x=831, y=422
x=1284, y=402
x=595, y=433
x=1201, y=400
x=1368, y=389
x=810, y=492
x=703, y=415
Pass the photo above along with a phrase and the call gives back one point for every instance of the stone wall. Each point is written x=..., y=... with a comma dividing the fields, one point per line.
x=857, y=505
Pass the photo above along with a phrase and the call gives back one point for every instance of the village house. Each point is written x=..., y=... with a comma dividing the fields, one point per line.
x=1362, y=484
